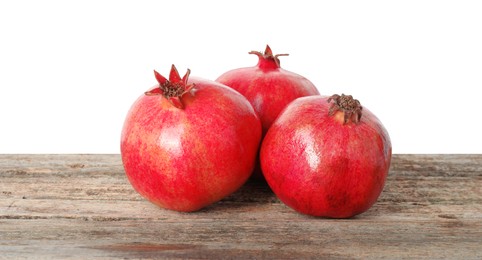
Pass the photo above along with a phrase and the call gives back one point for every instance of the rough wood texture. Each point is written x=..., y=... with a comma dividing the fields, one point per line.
x=82, y=207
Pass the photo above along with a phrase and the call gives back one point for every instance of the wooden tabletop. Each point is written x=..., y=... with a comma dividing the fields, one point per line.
x=82, y=207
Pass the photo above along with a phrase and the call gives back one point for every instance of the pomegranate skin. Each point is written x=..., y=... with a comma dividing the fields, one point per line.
x=187, y=158
x=320, y=166
x=267, y=86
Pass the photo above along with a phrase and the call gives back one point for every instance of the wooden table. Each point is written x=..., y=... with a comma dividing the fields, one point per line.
x=82, y=207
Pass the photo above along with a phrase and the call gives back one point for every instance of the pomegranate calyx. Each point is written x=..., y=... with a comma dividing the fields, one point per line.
x=350, y=107
x=172, y=89
x=268, y=58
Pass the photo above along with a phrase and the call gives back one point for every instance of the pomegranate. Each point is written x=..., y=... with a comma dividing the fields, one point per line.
x=267, y=86
x=326, y=156
x=189, y=142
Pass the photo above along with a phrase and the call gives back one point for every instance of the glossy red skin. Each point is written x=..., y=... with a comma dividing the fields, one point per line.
x=268, y=87
x=320, y=167
x=186, y=159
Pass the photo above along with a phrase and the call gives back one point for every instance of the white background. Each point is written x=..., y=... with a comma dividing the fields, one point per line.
x=70, y=70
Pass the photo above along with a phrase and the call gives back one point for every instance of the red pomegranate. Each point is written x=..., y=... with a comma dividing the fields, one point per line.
x=326, y=157
x=267, y=86
x=189, y=142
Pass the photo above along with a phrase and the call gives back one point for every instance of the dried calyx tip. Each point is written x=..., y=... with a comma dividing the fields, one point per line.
x=351, y=107
x=268, y=54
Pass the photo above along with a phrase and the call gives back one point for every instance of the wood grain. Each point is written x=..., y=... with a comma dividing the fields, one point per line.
x=82, y=207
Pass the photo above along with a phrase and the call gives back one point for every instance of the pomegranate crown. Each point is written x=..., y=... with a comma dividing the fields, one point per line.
x=172, y=89
x=268, y=56
x=351, y=107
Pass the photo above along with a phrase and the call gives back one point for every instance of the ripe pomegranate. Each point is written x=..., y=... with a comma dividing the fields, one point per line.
x=189, y=142
x=267, y=86
x=326, y=156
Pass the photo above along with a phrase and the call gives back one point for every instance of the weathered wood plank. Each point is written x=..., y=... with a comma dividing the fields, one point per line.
x=81, y=206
